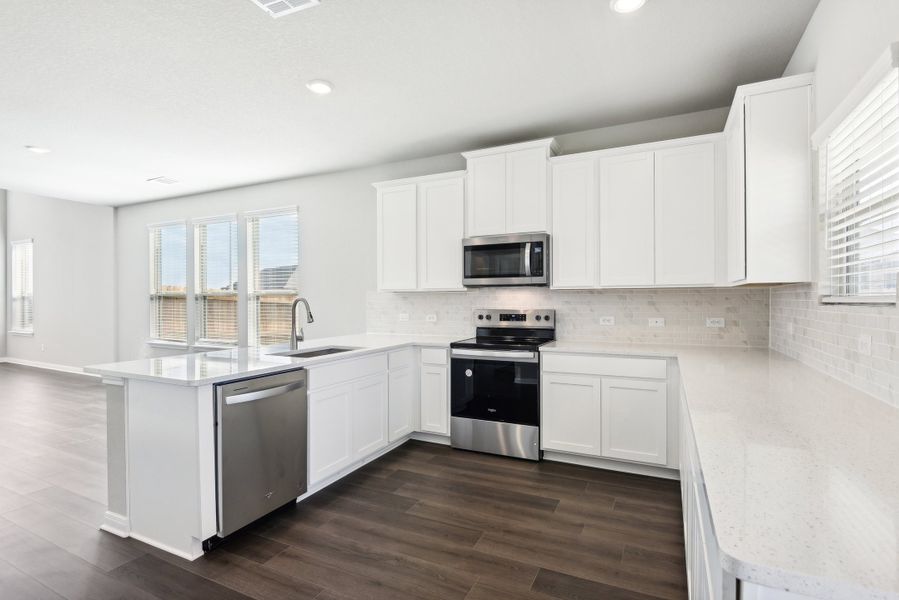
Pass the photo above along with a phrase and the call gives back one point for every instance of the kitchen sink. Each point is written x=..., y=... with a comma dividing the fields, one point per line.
x=314, y=352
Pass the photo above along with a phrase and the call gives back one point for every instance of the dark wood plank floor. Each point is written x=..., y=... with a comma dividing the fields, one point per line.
x=423, y=522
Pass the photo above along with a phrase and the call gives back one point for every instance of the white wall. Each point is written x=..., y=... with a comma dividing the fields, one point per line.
x=842, y=41
x=3, y=273
x=74, y=267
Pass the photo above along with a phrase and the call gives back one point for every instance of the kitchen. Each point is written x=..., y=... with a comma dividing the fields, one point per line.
x=643, y=354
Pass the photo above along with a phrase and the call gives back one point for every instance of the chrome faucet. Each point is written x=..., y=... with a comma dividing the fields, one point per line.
x=296, y=337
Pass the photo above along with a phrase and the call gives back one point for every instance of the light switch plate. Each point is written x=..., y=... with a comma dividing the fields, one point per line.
x=403, y=317
x=431, y=318
x=714, y=322
x=657, y=322
x=864, y=345
x=607, y=320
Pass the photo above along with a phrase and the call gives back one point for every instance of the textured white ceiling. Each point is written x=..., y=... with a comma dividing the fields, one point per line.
x=211, y=92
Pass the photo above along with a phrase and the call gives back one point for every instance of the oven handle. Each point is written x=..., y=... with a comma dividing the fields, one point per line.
x=502, y=355
x=527, y=259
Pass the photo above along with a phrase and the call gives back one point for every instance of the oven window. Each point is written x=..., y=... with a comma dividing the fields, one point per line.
x=495, y=390
x=501, y=260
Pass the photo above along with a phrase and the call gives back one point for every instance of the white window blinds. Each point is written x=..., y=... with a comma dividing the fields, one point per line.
x=273, y=262
x=168, y=282
x=216, y=281
x=860, y=190
x=22, y=287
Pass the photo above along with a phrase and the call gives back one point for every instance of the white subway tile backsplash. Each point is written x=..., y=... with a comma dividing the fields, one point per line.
x=579, y=312
x=826, y=337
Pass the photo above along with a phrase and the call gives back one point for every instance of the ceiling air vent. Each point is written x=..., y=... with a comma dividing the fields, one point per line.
x=279, y=8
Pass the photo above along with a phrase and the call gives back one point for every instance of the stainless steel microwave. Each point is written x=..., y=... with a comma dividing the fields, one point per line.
x=516, y=259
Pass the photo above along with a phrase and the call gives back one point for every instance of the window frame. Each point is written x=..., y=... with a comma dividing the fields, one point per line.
x=151, y=284
x=242, y=218
x=195, y=224
x=12, y=329
x=885, y=66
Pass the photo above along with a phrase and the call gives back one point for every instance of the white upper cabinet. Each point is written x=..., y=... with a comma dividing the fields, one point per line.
x=769, y=202
x=685, y=211
x=420, y=227
x=508, y=188
x=575, y=230
x=441, y=219
x=397, y=238
x=626, y=192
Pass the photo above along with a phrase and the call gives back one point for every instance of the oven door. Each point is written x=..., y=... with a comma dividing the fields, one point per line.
x=499, y=386
x=506, y=260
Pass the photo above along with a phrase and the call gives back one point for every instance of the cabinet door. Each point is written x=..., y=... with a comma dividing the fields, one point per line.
x=434, y=400
x=574, y=206
x=527, y=200
x=401, y=407
x=397, y=238
x=736, y=199
x=625, y=220
x=685, y=215
x=330, y=446
x=778, y=188
x=441, y=224
x=571, y=413
x=635, y=420
x=369, y=416
x=487, y=195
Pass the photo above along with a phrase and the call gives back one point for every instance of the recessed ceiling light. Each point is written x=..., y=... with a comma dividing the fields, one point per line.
x=626, y=6
x=163, y=180
x=319, y=86
x=37, y=149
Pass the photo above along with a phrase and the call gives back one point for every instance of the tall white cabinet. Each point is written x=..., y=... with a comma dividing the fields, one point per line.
x=769, y=205
x=420, y=230
x=508, y=188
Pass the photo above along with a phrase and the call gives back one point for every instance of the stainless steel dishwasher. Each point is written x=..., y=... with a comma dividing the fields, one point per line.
x=260, y=446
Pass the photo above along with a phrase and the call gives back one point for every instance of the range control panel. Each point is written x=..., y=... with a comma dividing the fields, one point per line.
x=542, y=318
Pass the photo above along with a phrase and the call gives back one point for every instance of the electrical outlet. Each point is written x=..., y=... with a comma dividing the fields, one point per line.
x=403, y=317
x=864, y=345
x=431, y=318
x=657, y=322
x=607, y=320
x=714, y=322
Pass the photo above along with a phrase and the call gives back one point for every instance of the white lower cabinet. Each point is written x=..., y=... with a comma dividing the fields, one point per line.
x=571, y=413
x=635, y=420
x=330, y=432
x=368, y=415
x=401, y=403
x=434, y=399
x=594, y=405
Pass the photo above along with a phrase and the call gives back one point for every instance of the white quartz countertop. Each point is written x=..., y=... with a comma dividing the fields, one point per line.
x=801, y=471
x=204, y=368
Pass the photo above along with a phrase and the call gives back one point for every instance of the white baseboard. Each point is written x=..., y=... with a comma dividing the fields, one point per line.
x=116, y=524
x=612, y=465
x=195, y=552
x=45, y=365
x=433, y=438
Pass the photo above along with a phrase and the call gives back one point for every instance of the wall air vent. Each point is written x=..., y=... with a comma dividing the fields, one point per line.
x=163, y=180
x=279, y=8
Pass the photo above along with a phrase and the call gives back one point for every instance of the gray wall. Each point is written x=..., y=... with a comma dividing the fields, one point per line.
x=74, y=314
x=842, y=41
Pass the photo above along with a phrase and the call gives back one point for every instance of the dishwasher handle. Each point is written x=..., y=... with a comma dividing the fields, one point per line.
x=262, y=394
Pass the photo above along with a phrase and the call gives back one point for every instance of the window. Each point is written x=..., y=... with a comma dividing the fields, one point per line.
x=860, y=198
x=273, y=261
x=216, y=281
x=168, y=282
x=22, y=287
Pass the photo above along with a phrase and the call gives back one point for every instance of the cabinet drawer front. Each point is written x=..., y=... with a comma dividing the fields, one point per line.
x=614, y=366
x=433, y=356
x=401, y=358
x=346, y=370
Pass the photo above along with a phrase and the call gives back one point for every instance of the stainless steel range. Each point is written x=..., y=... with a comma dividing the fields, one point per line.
x=495, y=382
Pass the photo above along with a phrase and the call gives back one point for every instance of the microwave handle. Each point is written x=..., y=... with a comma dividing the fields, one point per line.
x=527, y=259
